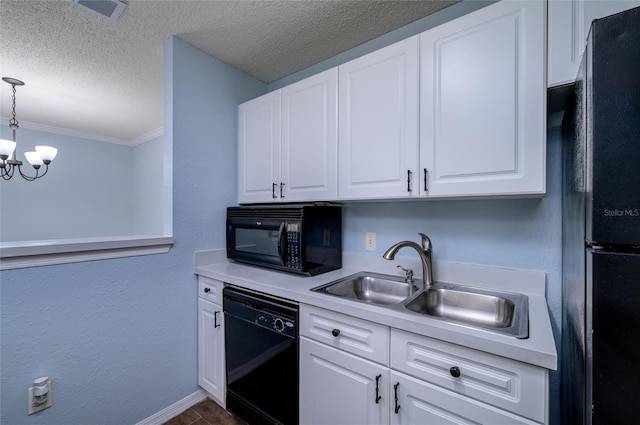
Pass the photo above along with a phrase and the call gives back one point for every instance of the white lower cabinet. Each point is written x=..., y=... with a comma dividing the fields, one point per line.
x=419, y=402
x=478, y=376
x=340, y=388
x=356, y=372
x=211, y=363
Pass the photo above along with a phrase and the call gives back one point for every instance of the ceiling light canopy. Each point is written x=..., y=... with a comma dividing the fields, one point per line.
x=43, y=155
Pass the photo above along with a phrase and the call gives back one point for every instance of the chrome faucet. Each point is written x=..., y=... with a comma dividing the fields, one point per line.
x=424, y=252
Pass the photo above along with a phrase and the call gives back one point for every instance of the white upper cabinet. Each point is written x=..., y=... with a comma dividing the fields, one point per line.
x=378, y=123
x=569, y=23
x=457, y=111
x=310, y=138
x=259, y=149
x=482, y=104
x=287, y=143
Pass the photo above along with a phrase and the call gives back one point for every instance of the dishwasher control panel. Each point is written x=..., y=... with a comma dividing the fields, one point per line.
x=271, y=313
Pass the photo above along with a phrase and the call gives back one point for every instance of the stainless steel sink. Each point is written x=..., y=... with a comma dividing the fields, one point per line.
x=501, y=312
x=498, y=311
x=371, y=288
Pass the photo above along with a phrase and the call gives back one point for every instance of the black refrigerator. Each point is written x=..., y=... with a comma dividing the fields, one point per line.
x=600, y=378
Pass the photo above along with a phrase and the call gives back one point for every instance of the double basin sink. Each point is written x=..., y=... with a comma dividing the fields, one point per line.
x=502, y=312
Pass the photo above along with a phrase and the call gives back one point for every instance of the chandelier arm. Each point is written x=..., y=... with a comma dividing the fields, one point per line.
x=26, y=177
x=7, y=172
x=46, y=168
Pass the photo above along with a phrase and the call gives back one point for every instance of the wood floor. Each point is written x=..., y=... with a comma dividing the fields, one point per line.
x=204, y=413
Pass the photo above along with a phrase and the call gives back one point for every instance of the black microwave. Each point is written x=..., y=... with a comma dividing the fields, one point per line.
x=298, y=238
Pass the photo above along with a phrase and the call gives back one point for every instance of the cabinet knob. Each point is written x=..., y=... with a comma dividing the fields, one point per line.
x=335, y=332
x=455, y=371
x=207, y=290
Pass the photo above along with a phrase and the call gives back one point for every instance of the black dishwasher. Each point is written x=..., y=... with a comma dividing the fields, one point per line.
x=261, y=339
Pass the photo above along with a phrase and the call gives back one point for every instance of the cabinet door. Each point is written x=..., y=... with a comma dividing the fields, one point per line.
x=569, y=23
x=211, y=373
x=259, y=149
x=339, y=388
x=378, y=125
x=423, y=403
x=310, y=138
x=482, y=104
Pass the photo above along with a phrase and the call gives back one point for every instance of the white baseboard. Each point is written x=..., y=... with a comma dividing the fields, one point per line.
x=175, y=409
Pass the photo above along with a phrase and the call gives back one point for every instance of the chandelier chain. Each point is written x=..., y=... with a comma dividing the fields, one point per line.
x=13, y=121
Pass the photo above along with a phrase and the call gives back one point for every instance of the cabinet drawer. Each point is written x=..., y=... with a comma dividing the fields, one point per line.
x=508, y=384
x=423, y=403
x=347, y=333
x=210, y=289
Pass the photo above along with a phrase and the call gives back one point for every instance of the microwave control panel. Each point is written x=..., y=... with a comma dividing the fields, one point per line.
x=293, y=245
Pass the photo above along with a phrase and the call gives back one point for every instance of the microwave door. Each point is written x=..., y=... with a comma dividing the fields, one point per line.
x=258, y=241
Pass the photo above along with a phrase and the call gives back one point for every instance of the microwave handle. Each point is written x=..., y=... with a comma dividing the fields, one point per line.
x=282, y=240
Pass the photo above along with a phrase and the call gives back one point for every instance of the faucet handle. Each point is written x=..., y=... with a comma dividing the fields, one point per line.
x=426, y=242
x=408, y=274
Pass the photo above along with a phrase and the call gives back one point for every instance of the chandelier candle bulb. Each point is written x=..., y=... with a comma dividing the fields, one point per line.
x=34, y=159
x=6, y=149
x=47, y=153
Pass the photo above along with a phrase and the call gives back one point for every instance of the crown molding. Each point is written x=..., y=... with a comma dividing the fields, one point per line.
x=84, y=135
x=158, y=132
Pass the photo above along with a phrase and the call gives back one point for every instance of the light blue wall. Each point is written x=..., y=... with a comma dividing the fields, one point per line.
x=146, y=187
x=119, y=337
x=87, y=191
x=92, y=189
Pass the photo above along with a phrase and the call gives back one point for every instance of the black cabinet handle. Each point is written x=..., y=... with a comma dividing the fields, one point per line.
x=378, y=396
x=215, y=319
x=335, y=332
x=455, y=371
x=426, y=174
x=395, y=390
x=281, y=186
x=207, y=290
x=273, y=190
x=408, y=180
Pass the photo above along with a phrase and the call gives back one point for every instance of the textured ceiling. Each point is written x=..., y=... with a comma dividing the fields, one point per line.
x=86, y=73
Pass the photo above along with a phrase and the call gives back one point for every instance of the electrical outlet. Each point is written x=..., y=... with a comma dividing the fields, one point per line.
x=370, y=241
x=33, y=408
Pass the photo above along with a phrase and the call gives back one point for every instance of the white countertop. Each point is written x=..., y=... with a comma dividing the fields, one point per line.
x=539, y=349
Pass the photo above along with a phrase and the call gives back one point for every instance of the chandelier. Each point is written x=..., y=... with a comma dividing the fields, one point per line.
x=8, y=152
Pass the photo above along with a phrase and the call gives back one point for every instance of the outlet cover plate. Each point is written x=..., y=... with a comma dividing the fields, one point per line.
x=370, y=241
